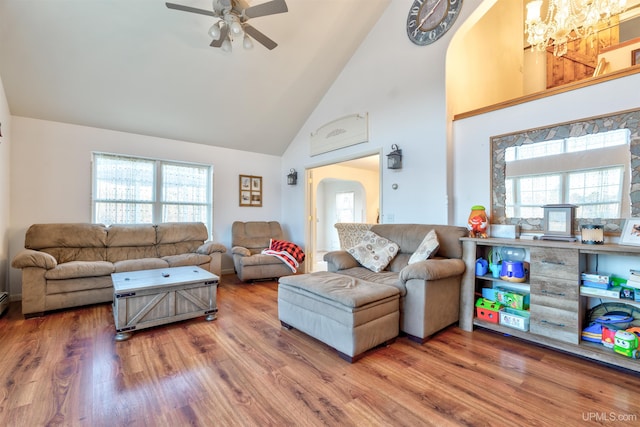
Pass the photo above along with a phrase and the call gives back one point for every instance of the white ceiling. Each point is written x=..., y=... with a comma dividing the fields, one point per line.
x=136, y=66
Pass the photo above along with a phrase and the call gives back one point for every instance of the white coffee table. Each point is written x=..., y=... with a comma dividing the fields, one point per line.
x=146, y=298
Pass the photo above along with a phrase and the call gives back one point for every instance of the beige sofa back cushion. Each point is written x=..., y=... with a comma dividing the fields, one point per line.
x=132, y=241
x=255, y=235
x=409, y=237
x=180, y=237
x=69, y=242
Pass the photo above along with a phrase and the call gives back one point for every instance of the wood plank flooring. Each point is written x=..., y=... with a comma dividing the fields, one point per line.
x=244, y=369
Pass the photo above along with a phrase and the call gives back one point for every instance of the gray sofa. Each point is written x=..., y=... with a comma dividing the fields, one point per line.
x=429, y=289
x=69, y=265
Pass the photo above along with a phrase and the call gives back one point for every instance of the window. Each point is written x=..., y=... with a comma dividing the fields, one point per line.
x=133, y=190
x=596, y=191
x=542, y=173
x=345, y=206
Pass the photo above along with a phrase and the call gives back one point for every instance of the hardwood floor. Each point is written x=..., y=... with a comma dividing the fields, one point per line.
x=245, y=369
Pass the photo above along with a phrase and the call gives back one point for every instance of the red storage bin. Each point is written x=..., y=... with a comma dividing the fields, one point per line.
x=487, y=310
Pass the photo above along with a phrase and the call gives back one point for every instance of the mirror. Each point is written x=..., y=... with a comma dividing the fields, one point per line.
x=594, y=163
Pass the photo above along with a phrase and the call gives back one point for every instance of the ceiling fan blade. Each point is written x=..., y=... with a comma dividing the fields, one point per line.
x=268, y=8
x=224, y=32
x=190, y=9
x=259, y=37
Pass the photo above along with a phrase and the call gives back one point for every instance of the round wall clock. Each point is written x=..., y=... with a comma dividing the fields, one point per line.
x=428, y=20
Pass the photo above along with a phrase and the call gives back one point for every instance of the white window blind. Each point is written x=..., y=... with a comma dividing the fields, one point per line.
x=133, y=190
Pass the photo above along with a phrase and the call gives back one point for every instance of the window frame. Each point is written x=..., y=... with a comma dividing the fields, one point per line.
x=157, y=204
x=512, y=193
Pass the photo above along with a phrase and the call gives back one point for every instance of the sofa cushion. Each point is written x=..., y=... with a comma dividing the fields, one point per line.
x=80, y=235
x=255, y=235
x=68, y=242
x=131, y=241
x=427, y=248
x=388, y=278
x=374, y=252
x=76, y=269
x=139, y=264
x=176, y=238
x=409, y=236
x=73, y=292
x=348, y=291
x=258, y=259
x=186, y=259
x=174, y=232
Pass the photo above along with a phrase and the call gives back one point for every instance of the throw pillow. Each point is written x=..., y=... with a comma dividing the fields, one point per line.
x=374, y=252
x=428, y=247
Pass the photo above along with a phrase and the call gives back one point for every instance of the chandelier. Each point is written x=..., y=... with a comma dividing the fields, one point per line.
x=567, y=20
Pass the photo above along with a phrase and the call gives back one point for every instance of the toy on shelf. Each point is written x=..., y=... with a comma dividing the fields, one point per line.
x=626, y=343
x=513, y=265
x=478, y=222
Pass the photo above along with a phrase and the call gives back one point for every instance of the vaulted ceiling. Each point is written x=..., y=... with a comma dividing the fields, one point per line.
x=136, y=66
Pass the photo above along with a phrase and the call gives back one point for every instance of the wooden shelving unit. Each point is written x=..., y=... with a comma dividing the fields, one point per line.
x=557, y=306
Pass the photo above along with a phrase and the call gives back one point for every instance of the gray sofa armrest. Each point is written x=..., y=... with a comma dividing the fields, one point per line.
x=433, y=269
x=30, y=258
x=340, y=260
x=239, y=250
x=210, y=247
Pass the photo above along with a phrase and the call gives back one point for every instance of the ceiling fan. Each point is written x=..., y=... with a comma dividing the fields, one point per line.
x=232, y=20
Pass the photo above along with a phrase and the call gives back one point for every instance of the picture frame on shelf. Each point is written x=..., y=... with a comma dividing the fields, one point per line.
x=635, y=57
x=250, y=191
x=558, y=222
x=631, y=232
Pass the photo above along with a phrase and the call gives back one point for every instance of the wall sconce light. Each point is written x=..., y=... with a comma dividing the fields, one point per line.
x=292, y=178
x=394, y=158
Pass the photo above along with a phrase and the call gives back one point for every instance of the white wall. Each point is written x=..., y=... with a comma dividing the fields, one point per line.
x=402, y=87
x=485, y=60
x=472, y=173
x=5, y=194
x=51, y=177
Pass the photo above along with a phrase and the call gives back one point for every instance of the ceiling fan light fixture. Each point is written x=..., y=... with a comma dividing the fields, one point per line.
x=236, y=27
x=226, y=46
x=232, y=16
x=214, y=31
x=247, y=42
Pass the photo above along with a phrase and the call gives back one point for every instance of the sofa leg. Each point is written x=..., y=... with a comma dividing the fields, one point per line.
x=31, y=315
x=418, y=339
x=286, y=325
x=348, y=358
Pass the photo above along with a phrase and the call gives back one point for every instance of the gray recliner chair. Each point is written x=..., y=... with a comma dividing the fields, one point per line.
x=248, y=239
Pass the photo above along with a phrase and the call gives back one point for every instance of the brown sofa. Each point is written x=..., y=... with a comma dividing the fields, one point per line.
x=429, y=289
x=69, y=265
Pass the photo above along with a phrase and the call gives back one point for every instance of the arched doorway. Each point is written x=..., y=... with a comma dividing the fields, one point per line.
x=347, y=191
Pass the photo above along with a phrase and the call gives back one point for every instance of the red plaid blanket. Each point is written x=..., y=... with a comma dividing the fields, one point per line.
x=290, y=253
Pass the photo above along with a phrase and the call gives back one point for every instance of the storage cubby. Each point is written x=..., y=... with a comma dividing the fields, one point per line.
x=557, y=307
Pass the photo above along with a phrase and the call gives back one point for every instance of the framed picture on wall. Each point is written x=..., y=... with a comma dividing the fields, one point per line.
x=250, y=190
x=635, y=57
x=245, y=183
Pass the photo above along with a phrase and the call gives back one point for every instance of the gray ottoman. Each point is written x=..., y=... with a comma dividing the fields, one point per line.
x=348, y=314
